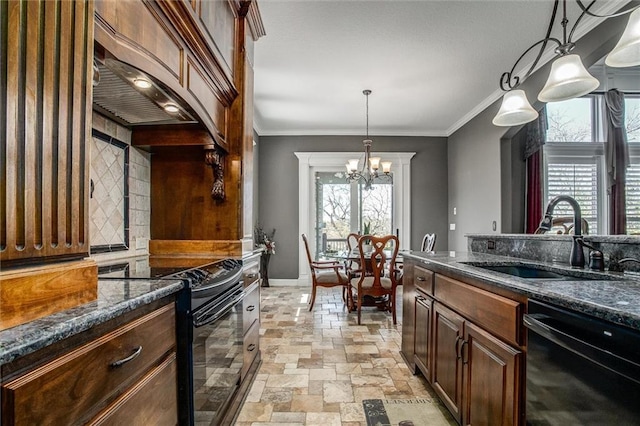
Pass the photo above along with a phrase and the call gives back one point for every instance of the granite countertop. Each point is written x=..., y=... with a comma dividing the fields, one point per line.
x=615, y=297
x=114, y=298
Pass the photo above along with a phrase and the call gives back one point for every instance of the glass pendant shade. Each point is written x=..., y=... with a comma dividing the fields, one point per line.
x=374, y=162
x=627, y=51
x=352, y=166
x=386, y=166
x=515, y=109
x=568, y=79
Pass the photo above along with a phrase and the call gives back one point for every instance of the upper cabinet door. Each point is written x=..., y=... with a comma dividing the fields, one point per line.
x=45, y=114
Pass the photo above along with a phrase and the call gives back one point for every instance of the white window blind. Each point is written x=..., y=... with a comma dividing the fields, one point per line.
x=633, y=198
x=578, y=179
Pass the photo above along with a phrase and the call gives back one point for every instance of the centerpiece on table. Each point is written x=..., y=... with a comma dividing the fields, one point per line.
x=264, y=241
x=366, y=246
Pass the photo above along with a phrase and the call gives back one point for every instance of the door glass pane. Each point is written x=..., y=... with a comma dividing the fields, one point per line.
x=377, y=208
x=333, y=215
x=343, y=207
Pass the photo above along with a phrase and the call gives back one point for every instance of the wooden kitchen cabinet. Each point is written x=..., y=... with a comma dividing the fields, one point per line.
x=128, y=372
x=423, y=331
x=491, y=365
x=407, y=348
x=448, y=336
x=468, y=342
x=45, y=121
x=251, y=311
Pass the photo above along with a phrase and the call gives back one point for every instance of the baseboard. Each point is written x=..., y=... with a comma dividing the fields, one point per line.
x=286, y=282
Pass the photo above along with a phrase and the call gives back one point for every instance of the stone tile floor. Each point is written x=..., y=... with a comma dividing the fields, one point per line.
x=318, y=366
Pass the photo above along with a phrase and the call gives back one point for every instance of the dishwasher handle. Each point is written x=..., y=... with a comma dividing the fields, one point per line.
x=595, y=354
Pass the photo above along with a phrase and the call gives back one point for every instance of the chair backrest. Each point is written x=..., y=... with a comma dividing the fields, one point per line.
x=377, y=259
x=306, y=247
x=428, y=242
x=352, y=241
x=564, y=225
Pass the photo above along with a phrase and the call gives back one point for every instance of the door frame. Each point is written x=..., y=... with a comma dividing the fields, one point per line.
x=311, y=162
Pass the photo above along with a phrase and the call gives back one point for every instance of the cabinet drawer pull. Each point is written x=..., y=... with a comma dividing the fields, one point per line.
x=250, y=308
x=131, y=357
x=251, y=347
x=251, y=276
x=421, y=278
x=458, y=352
x=462, y=352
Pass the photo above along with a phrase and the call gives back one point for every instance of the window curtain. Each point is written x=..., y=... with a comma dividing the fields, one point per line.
x=536, y=135
x=617, y=159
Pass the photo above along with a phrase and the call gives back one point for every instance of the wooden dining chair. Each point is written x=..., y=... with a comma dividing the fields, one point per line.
x=326, y=273
x=352, y=244
x=373, y=281
x=428, y=242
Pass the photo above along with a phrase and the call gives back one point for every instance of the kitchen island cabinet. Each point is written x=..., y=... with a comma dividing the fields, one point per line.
x=467, y=342
x=477, y=354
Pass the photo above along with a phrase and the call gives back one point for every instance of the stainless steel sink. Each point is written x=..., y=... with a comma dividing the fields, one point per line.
x=538, y=272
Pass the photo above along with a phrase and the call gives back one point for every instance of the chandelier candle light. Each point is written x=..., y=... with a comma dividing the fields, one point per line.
x=568, y=78
x=368, y=174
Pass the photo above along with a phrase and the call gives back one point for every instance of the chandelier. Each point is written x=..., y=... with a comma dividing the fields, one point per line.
x=568, y=77
x=371, y=165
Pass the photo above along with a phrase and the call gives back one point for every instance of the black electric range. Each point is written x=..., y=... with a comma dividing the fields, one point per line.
x=209, y=331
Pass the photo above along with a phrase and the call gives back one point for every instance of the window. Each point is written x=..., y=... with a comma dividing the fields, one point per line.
x=578, y=177
x=574, y=159
x=344, y=207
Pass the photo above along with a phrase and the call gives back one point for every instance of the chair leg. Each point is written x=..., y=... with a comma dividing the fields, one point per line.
x=313, y=297
x=359, y=307
x=392, y=304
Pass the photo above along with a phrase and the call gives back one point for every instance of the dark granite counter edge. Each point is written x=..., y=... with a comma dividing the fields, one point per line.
x=541, y=293
x=30, y=337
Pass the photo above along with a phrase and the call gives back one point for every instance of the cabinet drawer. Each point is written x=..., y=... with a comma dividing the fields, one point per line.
x=250, y=347
x=499, y=315
x=85, y=380
x=251, y=271
x=250, y=308
x=152, y=401
x=423, y=279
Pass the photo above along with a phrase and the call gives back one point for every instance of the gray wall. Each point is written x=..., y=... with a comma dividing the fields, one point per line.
x=477, y=167
x=278, y=188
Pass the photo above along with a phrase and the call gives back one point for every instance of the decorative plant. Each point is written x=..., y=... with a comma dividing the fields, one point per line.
x=264, y=240
x=367, y=231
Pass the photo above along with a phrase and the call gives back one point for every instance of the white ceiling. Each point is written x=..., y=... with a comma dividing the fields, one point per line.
x=431, y=65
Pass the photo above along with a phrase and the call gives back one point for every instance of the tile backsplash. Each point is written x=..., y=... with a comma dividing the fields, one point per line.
x=116, y=187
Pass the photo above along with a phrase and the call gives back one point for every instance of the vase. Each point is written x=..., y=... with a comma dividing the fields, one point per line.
x=264, y=269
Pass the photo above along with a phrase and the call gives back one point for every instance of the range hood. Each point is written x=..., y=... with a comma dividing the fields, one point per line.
x=116, y=95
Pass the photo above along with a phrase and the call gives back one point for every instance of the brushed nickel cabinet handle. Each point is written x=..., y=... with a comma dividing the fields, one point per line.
x=250, y=308
x=131, y=357
x=421, y=278
x=251, y=347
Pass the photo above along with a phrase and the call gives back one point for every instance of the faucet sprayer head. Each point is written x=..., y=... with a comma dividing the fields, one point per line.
x=546, y=222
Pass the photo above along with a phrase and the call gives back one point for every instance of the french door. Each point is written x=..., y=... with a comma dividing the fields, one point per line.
x=343, y=207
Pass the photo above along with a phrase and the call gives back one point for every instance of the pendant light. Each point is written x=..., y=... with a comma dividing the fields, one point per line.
x=568, y=77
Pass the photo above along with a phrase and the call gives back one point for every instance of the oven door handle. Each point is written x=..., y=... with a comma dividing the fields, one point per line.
x=212, y=314
x=595, y=354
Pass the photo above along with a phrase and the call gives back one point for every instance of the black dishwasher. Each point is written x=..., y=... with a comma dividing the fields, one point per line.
x=580, y=370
